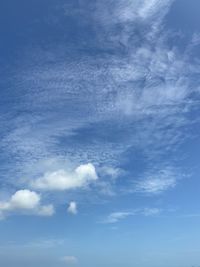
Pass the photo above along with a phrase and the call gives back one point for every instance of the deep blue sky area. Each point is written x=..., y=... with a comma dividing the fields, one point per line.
x=100, y=140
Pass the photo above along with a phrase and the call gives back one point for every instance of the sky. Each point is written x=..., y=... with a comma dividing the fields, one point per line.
x=100, y=141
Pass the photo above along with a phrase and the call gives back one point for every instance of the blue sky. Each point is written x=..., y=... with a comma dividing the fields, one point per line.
x=99, y=115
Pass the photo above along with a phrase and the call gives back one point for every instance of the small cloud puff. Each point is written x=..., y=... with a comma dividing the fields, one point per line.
x=26, y=202
x=117, y=216
x=62, y=180
x=72, y=208
x=69, y=260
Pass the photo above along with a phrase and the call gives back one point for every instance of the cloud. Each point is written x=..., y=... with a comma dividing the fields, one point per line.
x=25, y=202
x=118, y=216
x=126, y=11
x=151, y=211
x=157, y=183
x=72, y=208
x=138, y=90
x=152, y=7
x=138, y=21
x=111, y=172
x=62, y=180
x=69, y=260
x=47, y=210
x=195, y=39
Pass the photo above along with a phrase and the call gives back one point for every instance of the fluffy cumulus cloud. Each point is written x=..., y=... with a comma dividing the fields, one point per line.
x=25, y=202
x=62, y=180
x=72, y=208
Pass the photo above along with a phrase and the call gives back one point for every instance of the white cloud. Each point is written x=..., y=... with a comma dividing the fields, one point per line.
x=117, y=216
x=111, y=172
x=126, y=11
x=34, y=244
x=24, y=199
x=47, y=210
x=62, y=180
x=157, y=183
x=70, y=260
x=72, y=208
x=152, y=76
x=152, y=7
x=25, y=202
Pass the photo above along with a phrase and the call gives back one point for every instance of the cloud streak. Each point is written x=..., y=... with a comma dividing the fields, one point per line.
x=116, y=217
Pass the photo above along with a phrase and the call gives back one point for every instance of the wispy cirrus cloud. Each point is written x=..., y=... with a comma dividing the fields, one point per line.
x=157, y=183
x=131, y=11
x=122, y=215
